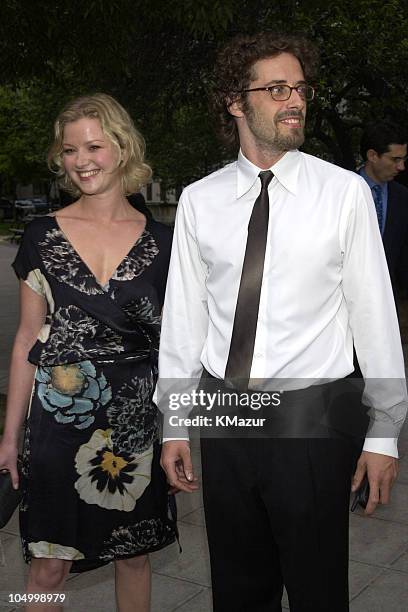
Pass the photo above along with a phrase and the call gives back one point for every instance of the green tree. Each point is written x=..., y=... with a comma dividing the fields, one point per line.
x=155, y=57
x=27, y=111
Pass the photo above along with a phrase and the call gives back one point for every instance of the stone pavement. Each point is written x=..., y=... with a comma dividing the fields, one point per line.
x=378, y=555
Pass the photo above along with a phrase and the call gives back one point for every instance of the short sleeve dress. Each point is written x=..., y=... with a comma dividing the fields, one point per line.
x=93, y=489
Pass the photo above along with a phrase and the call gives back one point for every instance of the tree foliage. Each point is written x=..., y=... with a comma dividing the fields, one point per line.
x=155, y=57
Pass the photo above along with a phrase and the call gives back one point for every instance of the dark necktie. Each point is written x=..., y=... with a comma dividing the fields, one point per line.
x=378, y=204
x=246, y=313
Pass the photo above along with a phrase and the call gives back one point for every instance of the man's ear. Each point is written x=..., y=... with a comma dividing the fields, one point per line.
x=372, y=155
x=235, y=108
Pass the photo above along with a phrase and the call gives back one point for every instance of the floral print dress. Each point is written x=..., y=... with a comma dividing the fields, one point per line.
x=93, y=489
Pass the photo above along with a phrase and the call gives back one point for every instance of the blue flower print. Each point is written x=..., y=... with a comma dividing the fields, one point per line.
x=72, y=392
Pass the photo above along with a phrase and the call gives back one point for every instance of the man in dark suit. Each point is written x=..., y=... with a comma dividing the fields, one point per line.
x=384, y=150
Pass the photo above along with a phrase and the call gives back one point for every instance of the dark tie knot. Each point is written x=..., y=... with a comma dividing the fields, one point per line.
x=266, y=176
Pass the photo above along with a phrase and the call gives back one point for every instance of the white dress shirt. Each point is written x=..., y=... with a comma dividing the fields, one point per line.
x=325, y=285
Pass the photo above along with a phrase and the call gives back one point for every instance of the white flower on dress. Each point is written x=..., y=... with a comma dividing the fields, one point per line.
x=142, y=537
x=75, y=335
x=109, y=478
x=48, y=550
x=138, y=259
x=63, y=263
x=133, y=416
x=38, y=283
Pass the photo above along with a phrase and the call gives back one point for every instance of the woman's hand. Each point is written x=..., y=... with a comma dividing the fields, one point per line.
x=8, y=461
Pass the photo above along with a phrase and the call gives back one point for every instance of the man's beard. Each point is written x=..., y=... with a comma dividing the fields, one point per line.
x=269, y=134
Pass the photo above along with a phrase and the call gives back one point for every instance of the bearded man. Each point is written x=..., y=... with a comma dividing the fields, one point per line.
x=277, y=268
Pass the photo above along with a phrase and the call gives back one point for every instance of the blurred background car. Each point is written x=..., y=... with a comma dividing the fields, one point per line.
x=30, y=206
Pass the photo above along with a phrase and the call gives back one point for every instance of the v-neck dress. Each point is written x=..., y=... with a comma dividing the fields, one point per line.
x=93, y=489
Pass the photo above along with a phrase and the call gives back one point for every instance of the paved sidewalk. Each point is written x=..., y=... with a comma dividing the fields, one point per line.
x=181, y=582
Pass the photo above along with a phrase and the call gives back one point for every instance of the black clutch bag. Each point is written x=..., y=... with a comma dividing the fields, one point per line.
x=361, y=495
x=9, y=497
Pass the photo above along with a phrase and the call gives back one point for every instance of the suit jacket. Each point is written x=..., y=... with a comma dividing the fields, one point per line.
x=395, y=237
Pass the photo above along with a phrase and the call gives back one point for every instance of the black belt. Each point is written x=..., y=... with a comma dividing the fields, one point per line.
x=331, y=409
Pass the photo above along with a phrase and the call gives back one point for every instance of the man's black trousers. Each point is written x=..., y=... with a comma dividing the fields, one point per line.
x=277, y=511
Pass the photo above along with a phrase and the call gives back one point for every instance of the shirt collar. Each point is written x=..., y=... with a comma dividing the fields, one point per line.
x=369, y=180
x=286, y=171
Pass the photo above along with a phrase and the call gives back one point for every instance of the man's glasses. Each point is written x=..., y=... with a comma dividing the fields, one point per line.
x=280, y=93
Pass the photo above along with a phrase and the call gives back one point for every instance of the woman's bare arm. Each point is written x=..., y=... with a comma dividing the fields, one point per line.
x=32, y=316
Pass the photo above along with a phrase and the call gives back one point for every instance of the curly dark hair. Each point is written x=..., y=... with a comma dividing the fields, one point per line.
x=233, y=71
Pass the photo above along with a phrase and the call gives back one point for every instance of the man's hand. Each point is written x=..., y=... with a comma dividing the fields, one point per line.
x=176, y=462
x=381, y=471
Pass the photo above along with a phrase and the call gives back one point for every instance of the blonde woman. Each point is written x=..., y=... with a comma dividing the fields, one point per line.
x=92, y=284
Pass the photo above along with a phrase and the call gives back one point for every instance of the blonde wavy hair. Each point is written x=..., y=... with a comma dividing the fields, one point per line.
x=117, y=126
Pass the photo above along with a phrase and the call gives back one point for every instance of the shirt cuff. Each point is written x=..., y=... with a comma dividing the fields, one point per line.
x=174, y=439
x=382, y=446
